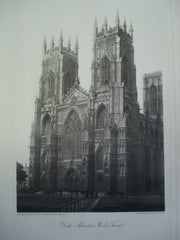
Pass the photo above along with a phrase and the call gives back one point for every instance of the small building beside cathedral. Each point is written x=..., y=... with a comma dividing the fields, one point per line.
x=97, y=141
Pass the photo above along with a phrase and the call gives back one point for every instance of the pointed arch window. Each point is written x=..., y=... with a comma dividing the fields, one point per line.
x=72, y=137
x=46, y=125
x=105, y=70
x=51, y=81
x=153, y=99
x=67, y=82
x=125, y=71
x=128, y=116
x=101, y=116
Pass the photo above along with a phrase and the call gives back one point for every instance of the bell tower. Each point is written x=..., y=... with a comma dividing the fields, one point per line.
x=59, y=75
x=59, y=70
x=113, y=57
x=115, y=102
x=153, y=94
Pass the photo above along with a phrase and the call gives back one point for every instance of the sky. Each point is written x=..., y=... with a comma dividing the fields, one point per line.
x=24, y=24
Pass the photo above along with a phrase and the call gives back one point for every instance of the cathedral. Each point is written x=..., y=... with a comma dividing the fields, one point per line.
x=97, y=141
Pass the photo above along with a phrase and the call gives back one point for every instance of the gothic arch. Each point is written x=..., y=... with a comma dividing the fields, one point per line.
x=105, y=70
x=71, y=179
x=114, y=131
x=72, y=136
x=101, y=116
x=125, y=73
x=153, y=92
x=68, y=113
x=153, y=99
x=46, y=124
x=51, y=84
x=67, y=82
x=127, y=113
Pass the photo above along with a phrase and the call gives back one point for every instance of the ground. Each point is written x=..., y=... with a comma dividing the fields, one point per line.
x=38, y=202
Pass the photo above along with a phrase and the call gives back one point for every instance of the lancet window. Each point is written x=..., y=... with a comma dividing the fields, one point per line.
x=153, y=100
x=101, y=116
x=51, y=82
x=105, y=70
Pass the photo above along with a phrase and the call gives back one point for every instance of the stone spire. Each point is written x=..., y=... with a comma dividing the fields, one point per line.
x=105, y=24
x=131, y=29
x=76, y=46
x=76, y=82
x=44, y=45
x=117, y=19
x=61, y=39
x=95, y=27
x=69, y=44
x=124, y=25
x=52, y=43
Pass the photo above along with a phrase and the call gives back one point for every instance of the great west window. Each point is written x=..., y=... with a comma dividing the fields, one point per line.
x=72, y=137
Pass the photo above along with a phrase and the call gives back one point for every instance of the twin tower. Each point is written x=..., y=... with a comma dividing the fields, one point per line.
x=96, y=141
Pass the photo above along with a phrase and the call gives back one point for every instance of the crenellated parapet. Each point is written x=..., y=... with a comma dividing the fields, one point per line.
x=59, y=70
x=117, y=29
x=60, y=47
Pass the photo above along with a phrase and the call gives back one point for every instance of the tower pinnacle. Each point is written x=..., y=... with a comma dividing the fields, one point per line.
x=105, y=24
x=52, y=43
x=95, y=27
x=76, y=46
x=131, y=29
x=117, y=19
x=44, y=45
x=61, y=39
x=69, y=43
x=124, y=25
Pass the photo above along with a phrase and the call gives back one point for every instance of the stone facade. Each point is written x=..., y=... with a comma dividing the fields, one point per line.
x=97, y=141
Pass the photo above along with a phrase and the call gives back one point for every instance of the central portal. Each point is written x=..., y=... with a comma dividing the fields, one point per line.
x=71, y=180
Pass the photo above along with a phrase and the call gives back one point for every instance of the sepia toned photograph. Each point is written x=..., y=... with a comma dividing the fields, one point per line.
x=94, y=149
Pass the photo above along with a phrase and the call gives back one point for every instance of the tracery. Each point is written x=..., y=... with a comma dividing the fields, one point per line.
x=72, y=137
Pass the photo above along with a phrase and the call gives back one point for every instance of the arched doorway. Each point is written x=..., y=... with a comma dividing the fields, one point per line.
x=100, y=182
x=71, y=180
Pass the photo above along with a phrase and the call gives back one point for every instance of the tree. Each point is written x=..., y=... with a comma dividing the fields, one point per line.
x=21, y=174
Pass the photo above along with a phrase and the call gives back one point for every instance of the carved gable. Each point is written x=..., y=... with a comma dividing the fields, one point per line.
x=76, y=96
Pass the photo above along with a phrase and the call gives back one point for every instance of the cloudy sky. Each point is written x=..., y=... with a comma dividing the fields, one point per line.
x=23, y=27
